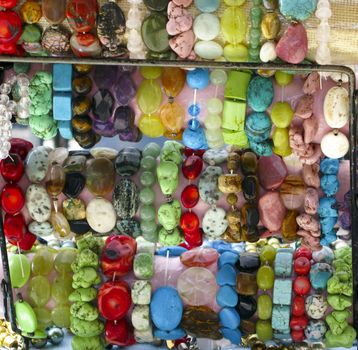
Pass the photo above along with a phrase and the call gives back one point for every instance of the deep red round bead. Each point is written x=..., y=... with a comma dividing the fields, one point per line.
x=12, y=168
x=10, y=29
x=194, y=239
x=81, y=15
x=303, y=251
x=192, y=167
x=14, y=227
x=189, y=222
x=20, y=147
x=298, y=306
x=190, y=196
x=26, y=242
x=12, y=199
x=298, y=323
x=8, y=4
x=119, y=332
x=302, y=285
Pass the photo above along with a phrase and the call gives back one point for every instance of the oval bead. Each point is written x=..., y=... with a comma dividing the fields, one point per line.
x=270, y=25
x=55, y=180
x=11, y=27
x=54, y=11
x=189, y=222
x=12, y=168
x=38, y=203
x=192, y=167
x=172, y=116
x=149, y=96
x=233, y=25
x=173, y=80
x=336, y=107
x=190, y=196
x=154, y=33
x=236, y=53
x=100, y=176
x=209, y=50
x=151, y=125
x=60, y=224
x=335, y=145
x=85, y=45
x=12, y=199
x=14, y=227
x=25, y=316
x=264, y=307
x=81, y=15
x=265, y=277
x=8, y=4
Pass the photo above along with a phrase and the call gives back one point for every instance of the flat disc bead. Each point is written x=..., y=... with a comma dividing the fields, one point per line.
x=207, y=5
x=214, y=106
x=206, y=26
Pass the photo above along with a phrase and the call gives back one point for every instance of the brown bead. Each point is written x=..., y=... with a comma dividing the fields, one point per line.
x=246, y=284
x=292, y=192
x=232, y=236
x=81, y=124
x=86, y=140
x=250, y=233
x=270, y=25
x=233, y=161
x=54, y=10
x=82, y=68
x=289, y=226
x=233, y=217
x=55, y=180
x=250, y=187
x=231, y=199
x=249, y=163
x=250, y=214
x=258, y=346
x=229, y=183
x=247, y=326
x=82, y=85
x=81, y=105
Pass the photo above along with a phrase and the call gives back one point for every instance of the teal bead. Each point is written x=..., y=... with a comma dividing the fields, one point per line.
x=207, y=5
x=299, y=10
x=147, y=178
x=147, y=196
x=151, y=149
x=149, y=231
x=147, y=213
x=148, y=163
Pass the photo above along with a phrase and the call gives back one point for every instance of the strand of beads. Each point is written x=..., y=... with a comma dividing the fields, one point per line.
x=206, y=28
x=213, y=121
x=149, y=98
x=233, y=28
x=147, y=211
x=189, y=221
x=168, y=178
x=172, y=114
x=135, y=45
x=270, y=28
x=194, y=135
x=256, y=14
x=301, y=287
x=180, y=23
x=323, y=13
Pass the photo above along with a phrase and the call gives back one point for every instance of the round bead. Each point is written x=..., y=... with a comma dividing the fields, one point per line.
x=213, y=122
x=214, y=106
x=194, y=110
x=218, y=77
x=198, y=78
x=206, y=26
x=190, y=196
x=194, y=124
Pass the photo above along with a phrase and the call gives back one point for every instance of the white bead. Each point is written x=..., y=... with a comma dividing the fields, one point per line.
x=268, y=52
x=135, y=2
x=324, y=13
x=5, y=88
x=3, y=154
x=4, y=99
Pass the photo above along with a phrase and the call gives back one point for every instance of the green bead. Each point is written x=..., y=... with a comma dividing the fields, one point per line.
x=218, y=77
x=150, y=72
x=264, y=307
x=282, y=114
x=151, y=149
x=147, y=178
x=257, y=2
x=237, y=84
x=149, y=231
x=214, y=106
x=283, y=78
x=168, y=177
x=254, y=52
x=265, y=277
x=256, y=12
x=25, y=317
x=147, y=196
x=255, y=35
x=170, y=238
x=147, y=213
x=20, y=67
x=264, y=330
x=148, y=163
x=149, y=96
x=143, y=266
x=169, y=215
x=268, y=255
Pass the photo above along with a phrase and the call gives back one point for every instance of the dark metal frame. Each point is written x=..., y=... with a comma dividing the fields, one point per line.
x=301, y=68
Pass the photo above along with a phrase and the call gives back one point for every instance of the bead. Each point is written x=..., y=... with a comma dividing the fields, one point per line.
x=194, y=110
x=31, y=12
x=270, y=25
x=206, y=26
x=198, y=78
x=154, y=32
x=233, y=24
x=81, y=15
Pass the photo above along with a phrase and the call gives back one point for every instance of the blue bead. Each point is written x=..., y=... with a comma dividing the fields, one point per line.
x=173, y=251
x=193, y=124
x=329, y=238
x=62, y=77
x=234, y=335
x=65, y=129
x=194, y=110
x=174, y=334
x=62, y=106
x=326, y=207
x=258, y=127
x=229, y=318
x=195, y=139
x=227, y=297
x=224, y=247
x=228, y=258
x=199, y=78
x=260, y=93
x=329, y=184
x=327, y=224
x=329, y=166
x=320, y=273
x=207, y=5
x=226, y=276
x=299, y=10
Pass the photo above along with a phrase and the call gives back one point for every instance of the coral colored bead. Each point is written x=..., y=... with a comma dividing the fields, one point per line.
x=12, y=169
x=8, y=4
x=298, y=323
x=301, y=285
x=189, y=222
x=303, y=251
x=14, y=227
x=190, y=196
x=12, y=199
x=10, y=28
x=298, y=306
x=192, y=167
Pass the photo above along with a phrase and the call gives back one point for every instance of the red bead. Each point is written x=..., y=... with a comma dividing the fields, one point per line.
x=190, y=196
x=20, y=147
x=85, y=45
x=14, y=227
x=117, y=255
x=119, y=332
x=12, y=199
x=114, y=300
x=298, y=323
x=298, y=336
x=189, y=222
x=8, y=4
x=12, y=168
x=302, y=266
x=26, y=242
x=301, y=285
x=8, y=49
x=194, y=239
x=303, y=251
x=192, y=167
x=189, y=152
x=81, y=15
x=10, y=28
x=298, y=306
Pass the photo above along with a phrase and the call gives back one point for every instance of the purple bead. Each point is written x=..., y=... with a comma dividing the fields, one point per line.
x=123, y=118
x=125, y=89
x=105, y=76
x=129, y=69
x=105, y=129
x=102, y=105
x=345, y=220
x=130, y=135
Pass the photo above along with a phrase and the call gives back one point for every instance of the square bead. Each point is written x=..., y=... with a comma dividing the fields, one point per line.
x=144, y=246
x=62, y=106
x=236, y=85
x=237, y=138
x=141, y=292
x=65, y=129
x=282, y=292
x=283, y=263
x=234, y=113
x=281, y=318
x=62, y=77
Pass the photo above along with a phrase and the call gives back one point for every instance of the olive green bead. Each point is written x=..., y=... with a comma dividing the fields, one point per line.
x=147, y=213
x=147, y=196
x=147, y=178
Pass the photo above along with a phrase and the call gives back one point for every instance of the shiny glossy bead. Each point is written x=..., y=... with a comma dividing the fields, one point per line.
x=250, y=187
x=270, y=26
x=81, y=15
x=82, y=85
x=82, y=68
x=55, y=180
x=8, y=4
x=31, y=12
x=100, y=176
x=190, y=196
x=149, y=96
x=14, y=227
x=172, y=116
x=154, y=32
x=85, y=45
x=81, y=124
x=194, y=110
x=12, y=199
x=173, y=81
x=192, y=167
x=151, y=125
x=233, y=25
x=249, y=163
x=231, y=199
x=10, y=28
x=189, y=222
x=12, y=168
x=60, y=224
x=81, y=105
x=54, y=11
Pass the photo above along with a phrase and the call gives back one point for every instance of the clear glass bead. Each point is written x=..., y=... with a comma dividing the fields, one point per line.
x=22, y=112
x=24, y=91
x=11, y=106
x=5, y=88
x=3, y=109
x=25, y=102
x=8, y=115
x=194, y=110
x=23, y=80
x=12, y=80
x=4, y=99
x=214, y=106
x=6, y=146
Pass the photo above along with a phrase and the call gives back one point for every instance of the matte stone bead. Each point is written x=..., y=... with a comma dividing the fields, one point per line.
x=227, y=296
x=129, y=227
x=329, y=166
x=228, y=258
x=74, y=184
x=79, y=227
x=103, y=104
x=229, y=318
x=226, y=276
x=62, y=77
x=128, y=161
x=260, y=93
x=246, y=307
x=248, y=262
x=62, y=106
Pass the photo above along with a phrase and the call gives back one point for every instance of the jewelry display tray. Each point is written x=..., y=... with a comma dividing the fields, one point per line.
x=6, y=288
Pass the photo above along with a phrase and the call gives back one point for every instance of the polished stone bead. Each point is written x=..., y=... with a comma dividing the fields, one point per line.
x=248, y=262
x=124, y=90
x=154, y=32
x=105, y=76
x=82, y=68
x=55, y=40
x=246, y=307
x=128, y=161
x=125, y=198
x=246, y=284
x=82, y=85
x=289, y=226
x=248, y=327
x=130, y=135
x=79, y=227
x=55, y=180
x=192, y=167
x=54, y=11
x=12, y=169
x=81, y=15
x=297, y=10
x=250, y=187
x=189, y=222
x=74, y=209
x=156, y=5
x=100, y=176
x=81, y=105
x=60, y=224
x=31, y=12
x=103, y=104
x=123, y=118
x=81, y=123
x=12, y=199
x=85, y=45
x=86, y=140
x=250, y=215
x=190, y=196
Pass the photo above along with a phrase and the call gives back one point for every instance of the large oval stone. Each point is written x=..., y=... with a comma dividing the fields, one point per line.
x=128, y=161
x=336, y=107
x=100, y=176
x=208, y=185
x=103, y=104
x=101, y=215
x=154, y=32
x=272, y=172
x=272, y=211
x=74, y=184
x=38, y=203
x=37, y=164
x=125, y=198
x=260, y=93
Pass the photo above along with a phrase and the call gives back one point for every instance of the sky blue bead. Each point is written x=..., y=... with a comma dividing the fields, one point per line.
x=199, y=78
x=329, y=184
x=329, y=166
x=175, y=334
x=229, y=318
x=65, y=129
x=207, y=5
x=299, y=10
x=234, y=335
x=320, y=273
x=328, y=239
x=194, y=139
x=226, y=276
x=62, y=77
x=228, y=258
x=224, y=247
x=194, y=110
x=327, y=224
x=173, y=251
x=62, y=106
x=326, y=209
x=227, y=297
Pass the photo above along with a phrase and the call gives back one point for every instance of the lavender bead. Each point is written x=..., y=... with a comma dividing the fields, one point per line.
x=125, y=89
x=105, y=76
x=123, y=118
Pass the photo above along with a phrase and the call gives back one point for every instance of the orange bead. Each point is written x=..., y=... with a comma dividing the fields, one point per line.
x=31, y=12
x=173, y=80
x=172, y=116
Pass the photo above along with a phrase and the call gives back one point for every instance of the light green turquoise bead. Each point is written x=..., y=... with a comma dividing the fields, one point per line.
x=147, y=178
x=168, y=177
x=171, y=152
x=151, y=149
x=149, y=231
x=218, y=77
x=143, y=266
x=170, y=239
x=147, y=196
x=169, y=215
x=148, y=163
x=214, y=106
x=147, y=213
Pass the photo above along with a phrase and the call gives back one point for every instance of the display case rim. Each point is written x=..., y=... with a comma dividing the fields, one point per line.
x=8, y=299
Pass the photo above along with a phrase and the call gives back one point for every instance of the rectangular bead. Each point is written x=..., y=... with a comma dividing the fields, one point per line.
x=237, y=84
x=283, y=263
x=282, y=292
x=62, y=77
x=234, y=113
x=281, y=318
x=237, y=138
x=62, y=106
x=141, y=292
x=65, y=129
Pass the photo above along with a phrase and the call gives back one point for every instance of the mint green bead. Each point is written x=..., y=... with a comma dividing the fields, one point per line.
x=254, y=52
x=148, y=163
x=149, y=231
x=151, y=149
x=255, y=35
x=256, y=12
x=214, y=106
x=147, y=213
x=218, y=77
x=257, y=2
x=147, y=178
x=147, y=196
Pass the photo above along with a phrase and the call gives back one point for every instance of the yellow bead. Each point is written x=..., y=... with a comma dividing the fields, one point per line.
x=31, y=12
x=150, y=72
x=234, y=25
x=234, y=2
x=280, y=138
x=172, y=116
x=173, y=80
x=270, y=25
x=236, y=53
x=283, y=78
x=149, y=96
x=60, y=224
x=151, y=125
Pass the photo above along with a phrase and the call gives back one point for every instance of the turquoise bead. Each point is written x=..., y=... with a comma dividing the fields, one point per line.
x=299, y=10
x=207, y=5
